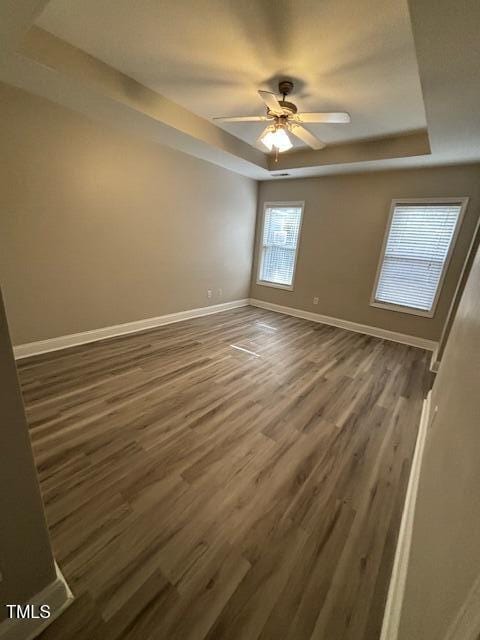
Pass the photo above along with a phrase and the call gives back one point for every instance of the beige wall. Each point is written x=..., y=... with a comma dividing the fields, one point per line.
x=99, y=227
x=445, y=554
x=26, y=560
x=344, y=224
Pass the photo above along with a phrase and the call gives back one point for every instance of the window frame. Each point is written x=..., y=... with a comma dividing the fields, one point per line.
x=463, y=202
x=261, y=248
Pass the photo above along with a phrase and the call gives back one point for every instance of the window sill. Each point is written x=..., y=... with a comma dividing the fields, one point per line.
x=400, y=309
x=274, y=285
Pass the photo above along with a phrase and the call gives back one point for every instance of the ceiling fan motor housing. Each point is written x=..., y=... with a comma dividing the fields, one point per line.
x=288, y=110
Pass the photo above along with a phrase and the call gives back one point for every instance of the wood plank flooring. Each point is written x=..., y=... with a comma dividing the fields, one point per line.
x=237, y=476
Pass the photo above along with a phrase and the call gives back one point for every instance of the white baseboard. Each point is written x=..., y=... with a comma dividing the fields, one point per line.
x=434, y=362
x=74, y=339
x=393, y=608
x=385, y=334
x=56, y=595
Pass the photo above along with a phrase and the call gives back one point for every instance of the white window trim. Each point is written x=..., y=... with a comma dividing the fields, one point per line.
x=266, y=283
x=463, y=201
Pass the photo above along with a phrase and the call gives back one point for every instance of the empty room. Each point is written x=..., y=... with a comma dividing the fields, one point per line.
x=239, y=320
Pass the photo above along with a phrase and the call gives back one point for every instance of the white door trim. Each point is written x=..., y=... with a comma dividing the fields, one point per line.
x=393, y=608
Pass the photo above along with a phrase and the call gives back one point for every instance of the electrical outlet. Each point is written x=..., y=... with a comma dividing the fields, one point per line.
x=209, y=294
x=220, y=292
x=315, y=300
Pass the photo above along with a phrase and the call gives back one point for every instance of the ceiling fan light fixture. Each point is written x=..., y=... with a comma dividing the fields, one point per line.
x=276, y=138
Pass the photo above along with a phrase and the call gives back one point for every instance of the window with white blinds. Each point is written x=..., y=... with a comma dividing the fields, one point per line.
x=416, y=252
x=280, y=236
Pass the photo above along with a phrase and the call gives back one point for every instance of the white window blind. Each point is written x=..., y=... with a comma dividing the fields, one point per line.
x=416, y=253
x=281, y=228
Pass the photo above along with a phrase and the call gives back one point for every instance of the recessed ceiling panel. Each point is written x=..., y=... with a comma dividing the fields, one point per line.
x=212, y=56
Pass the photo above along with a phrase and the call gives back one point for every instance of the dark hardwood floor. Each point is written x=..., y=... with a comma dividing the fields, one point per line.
x=240, y=475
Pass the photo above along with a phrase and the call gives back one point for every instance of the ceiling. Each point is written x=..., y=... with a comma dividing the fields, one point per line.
x=211, y=56
x=162, y=70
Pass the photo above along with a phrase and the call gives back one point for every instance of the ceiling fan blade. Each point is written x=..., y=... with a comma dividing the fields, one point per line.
x=332, y=118
x=305, y=136
x=242, y=119
x=270, y=99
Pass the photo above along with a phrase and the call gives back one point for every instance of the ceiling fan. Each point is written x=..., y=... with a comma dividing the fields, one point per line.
x=283, y=118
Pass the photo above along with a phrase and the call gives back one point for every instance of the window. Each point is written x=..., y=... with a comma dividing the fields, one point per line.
x=415, y=255
x=278, y=251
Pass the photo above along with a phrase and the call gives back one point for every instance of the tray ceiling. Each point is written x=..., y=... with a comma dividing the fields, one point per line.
x=211, y=56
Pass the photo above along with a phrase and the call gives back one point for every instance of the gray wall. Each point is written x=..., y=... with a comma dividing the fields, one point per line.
x=99, y=227
x=26, y=560
x=344, y=223
x=445, y=554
